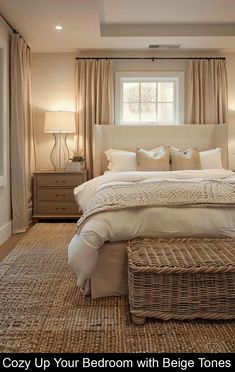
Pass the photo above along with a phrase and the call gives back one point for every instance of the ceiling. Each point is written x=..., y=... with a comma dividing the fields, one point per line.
x=123, y=24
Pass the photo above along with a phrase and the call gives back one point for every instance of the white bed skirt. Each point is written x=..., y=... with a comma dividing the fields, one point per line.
x=110, y=275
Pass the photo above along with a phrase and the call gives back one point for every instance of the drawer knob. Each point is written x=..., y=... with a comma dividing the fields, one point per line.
x=63, y=195
x=59, y=181
x=60, y=209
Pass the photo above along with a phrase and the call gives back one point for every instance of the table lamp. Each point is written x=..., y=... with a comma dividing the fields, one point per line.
x=60, y=124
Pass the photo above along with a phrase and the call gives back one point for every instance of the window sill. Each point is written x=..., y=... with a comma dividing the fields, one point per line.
x=150, y=123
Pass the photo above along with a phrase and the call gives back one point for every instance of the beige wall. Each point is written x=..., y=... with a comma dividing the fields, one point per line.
x=5, y=208
x=53, y=89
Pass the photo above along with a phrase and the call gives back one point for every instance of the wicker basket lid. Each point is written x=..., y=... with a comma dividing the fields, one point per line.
x=182, y=255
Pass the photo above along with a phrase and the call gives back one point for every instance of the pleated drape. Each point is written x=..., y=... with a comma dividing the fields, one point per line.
x=207, y=96
x=22, y=136
x=94, y=102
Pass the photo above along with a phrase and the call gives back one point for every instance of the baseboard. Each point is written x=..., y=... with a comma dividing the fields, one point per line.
x=5, y=232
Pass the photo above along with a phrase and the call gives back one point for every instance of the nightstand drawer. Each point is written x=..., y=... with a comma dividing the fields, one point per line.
x=55, y=194
x=60, y=179
x=54, y=208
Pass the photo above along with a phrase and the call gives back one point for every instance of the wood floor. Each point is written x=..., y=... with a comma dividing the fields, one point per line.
x=9, y=245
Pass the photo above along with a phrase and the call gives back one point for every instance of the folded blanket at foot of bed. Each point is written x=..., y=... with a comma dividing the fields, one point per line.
x=160, y=193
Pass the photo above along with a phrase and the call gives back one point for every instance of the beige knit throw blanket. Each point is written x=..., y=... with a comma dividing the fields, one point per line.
x=162, y=193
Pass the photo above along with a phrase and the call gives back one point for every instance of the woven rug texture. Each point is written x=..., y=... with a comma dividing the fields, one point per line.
x=42, y=310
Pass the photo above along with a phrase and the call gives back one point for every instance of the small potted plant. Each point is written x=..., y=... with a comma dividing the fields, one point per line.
x=77, y=162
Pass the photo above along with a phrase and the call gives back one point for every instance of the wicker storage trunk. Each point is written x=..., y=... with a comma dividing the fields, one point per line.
x=181, y=278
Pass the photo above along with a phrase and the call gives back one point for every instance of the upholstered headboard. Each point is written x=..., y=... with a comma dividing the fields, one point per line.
x=129, y=137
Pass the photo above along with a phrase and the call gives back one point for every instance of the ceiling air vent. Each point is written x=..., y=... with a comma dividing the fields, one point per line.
x=169, y=46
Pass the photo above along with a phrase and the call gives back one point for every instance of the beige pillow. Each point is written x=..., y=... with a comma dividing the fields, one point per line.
x=154, y=160
x=182, y=160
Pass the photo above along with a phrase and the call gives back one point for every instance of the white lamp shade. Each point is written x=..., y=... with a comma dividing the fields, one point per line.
x=59, y=122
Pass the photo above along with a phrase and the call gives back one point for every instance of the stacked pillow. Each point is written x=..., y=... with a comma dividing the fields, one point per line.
x=154, y=160
x=163, y=158
x=182, y=160
x=120, y=160
x=211, y=159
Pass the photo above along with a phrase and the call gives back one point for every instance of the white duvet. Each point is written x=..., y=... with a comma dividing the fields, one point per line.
x=144, y=222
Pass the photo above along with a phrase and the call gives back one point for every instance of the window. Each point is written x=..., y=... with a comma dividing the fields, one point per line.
x=149, y=98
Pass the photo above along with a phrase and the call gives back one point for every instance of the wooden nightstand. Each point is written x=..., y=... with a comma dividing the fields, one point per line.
x=53, y=194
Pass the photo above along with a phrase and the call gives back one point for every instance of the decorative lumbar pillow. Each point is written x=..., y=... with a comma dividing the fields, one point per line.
x=211, y=159
x=154, y=160
x=121, y=161
x=182, y=160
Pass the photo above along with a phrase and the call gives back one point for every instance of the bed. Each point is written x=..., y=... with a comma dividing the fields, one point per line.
x=97, y=253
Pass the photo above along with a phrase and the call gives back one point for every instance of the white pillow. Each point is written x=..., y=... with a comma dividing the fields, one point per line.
x=211, y=159
x=121, y=161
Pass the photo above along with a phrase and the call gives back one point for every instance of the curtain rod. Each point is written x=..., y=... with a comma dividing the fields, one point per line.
x=153, y=58
x=7, y=22
x=13, y=28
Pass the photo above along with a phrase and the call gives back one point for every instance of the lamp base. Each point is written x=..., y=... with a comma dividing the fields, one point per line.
x=60, y=152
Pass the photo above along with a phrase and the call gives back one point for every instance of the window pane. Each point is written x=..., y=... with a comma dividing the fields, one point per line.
x=130, y=112
x=165, y=112
x=148, y=112
x=148, y=92
x=165, y=91
x=130, y=92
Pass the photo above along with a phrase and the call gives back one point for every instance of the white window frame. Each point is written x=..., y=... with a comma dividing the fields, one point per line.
x=137, y=76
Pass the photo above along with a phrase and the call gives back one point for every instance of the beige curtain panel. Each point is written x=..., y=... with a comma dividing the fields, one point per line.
x=22, y=143
x=207, y=92
x=94, y=102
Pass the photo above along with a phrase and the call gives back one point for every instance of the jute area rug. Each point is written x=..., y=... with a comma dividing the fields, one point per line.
x=42, y=310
